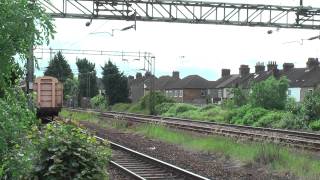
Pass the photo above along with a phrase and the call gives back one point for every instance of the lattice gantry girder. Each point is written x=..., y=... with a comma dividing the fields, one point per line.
x=196, y=12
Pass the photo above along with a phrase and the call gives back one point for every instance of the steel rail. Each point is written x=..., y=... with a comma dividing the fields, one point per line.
x=149, y=161
x=294, y=138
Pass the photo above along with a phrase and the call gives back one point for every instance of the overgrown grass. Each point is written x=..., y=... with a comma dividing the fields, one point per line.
x=275, y=157
x=79, y=116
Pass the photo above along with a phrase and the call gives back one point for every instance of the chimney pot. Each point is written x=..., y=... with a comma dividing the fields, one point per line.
x=312, y=62
x=244, y=70
x=176, y=74
x=259, y=68
x=272, y=65
x=138, y=76
x=225, y=72
x=287, y=66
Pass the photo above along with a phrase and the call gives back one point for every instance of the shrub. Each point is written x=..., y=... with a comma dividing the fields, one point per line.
x=240, y=96
x=268, y=119
x=311, y=105
x=163, y=108
x=66, y=152
x=98, y=102
x=315, y=125
x=270, y=94
x=293, y=106
x=159, y=98
x=290, y=121
x=247, y=115
x=179, y=108
x=121, y=107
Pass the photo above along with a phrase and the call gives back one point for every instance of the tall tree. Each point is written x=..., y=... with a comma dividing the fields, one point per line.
x=115, y=84
x=59, y=68
x=87, y=78
x=18, y=33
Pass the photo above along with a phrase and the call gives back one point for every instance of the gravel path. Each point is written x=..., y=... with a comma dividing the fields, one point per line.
x=206, y=164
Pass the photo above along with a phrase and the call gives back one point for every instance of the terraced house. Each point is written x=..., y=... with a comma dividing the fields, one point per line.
x=195, y=89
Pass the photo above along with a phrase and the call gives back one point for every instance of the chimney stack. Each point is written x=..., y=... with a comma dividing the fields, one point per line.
x=130, y=78
x=138, y=76
x=259, y=68
x=244, y=70
x=272, y=65
x=312, y=62
x=287, y=66
x=225, y=72
x=176, y=74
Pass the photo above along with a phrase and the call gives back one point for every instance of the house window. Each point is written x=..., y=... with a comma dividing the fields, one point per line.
x=167, y=93
x=220, y=93
x=310, y=90
x=203, y=92
x=176, y=93
x=289, y=92
x=181, y=93
x=170, y=93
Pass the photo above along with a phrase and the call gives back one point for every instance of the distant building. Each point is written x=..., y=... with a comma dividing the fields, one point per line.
x=191, y=89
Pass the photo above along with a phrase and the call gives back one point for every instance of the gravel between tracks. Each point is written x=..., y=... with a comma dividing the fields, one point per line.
x=206, y=164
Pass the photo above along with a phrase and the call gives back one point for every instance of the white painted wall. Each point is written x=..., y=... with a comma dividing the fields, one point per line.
x=295, y=93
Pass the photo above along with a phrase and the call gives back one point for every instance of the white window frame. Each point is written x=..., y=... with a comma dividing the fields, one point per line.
x=176, y=93
x=181, y=93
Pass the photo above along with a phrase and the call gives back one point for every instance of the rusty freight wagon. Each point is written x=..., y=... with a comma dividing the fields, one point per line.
x=49, y=96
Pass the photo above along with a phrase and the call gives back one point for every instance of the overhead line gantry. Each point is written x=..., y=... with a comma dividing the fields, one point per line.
x=195, y=12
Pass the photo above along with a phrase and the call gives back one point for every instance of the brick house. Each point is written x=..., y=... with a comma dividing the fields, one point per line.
x=191, y=89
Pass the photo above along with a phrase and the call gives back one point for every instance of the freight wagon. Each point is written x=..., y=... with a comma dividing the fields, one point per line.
x=49, y=96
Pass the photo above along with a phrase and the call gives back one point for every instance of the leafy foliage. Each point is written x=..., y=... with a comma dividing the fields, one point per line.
x=270, y=94
x=70, y=88
x=66, y=152
x=311, y=105
x=240, y=96
x=87, y=78
x=59, y=68
x=23, y=24
x=121, y=107
x=115, y=84
x=315, y=125
x=99, y=102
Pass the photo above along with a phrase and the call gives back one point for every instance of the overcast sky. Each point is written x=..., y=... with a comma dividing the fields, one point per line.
x=188, y=48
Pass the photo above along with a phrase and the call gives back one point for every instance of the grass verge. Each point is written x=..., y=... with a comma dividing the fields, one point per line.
x=79, y=116
x=277, y=158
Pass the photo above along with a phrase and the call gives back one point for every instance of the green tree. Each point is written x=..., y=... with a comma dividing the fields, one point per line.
x=59, y=68
x=311, y=105
x=240, y=96
x=23, y=24
x=270, y=94
x=70, y=88
x=87, y=78
x=115, y=84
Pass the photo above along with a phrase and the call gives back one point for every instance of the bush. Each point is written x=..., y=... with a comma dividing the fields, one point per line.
x=315, y=125
x=16, y=120
x=121, y=107
x=247, y=115
x=179, y=108
x=163, y=108
x=99, y=102
x=66, y=152
x=159, y=98
x=290, y=121
x=269, y=119
x=311, y=105
x=270, y=94
x=293, y=106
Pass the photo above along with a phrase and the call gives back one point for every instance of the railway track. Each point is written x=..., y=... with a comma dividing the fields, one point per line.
x=306, y=140
x=143, y=167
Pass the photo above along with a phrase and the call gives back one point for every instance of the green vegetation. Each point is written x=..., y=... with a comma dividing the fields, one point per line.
x=79, y=116
x=274, y=157
x=87, y=78
x=59, y=68
x=270, y=94
x=115, y=83
x=99, y=102
x=23, y=25
x=143, y=105
x=67, y=153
